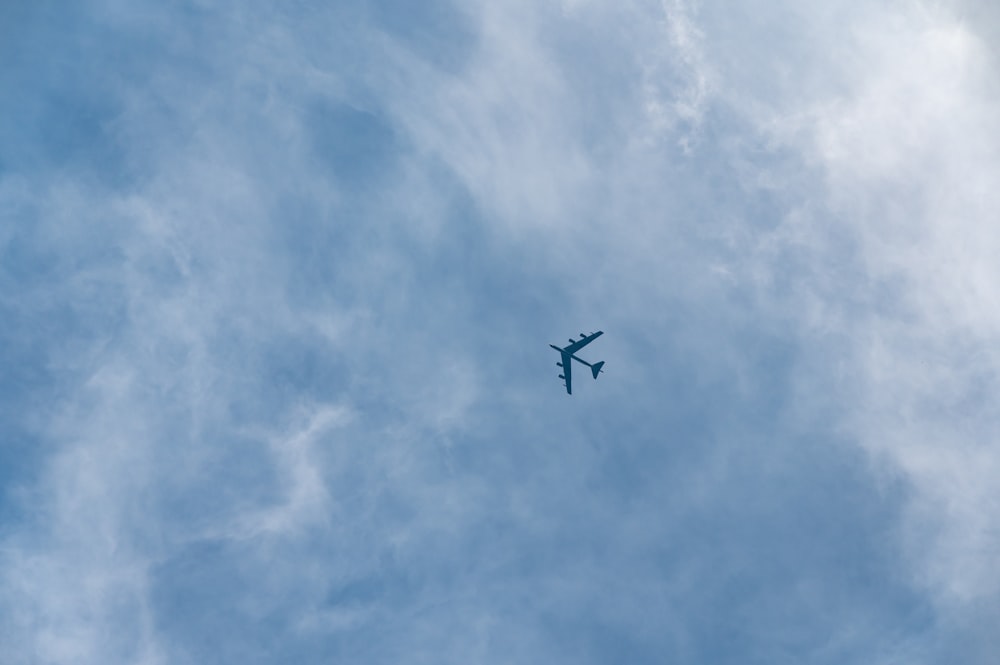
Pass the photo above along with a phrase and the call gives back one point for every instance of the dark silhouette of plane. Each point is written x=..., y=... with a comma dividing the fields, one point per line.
x=567, y=358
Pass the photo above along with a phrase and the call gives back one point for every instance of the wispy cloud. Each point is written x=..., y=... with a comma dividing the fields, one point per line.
x=277, y=297
x=905, y=152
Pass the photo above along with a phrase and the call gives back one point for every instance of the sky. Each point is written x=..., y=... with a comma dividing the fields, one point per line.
x=278, y=283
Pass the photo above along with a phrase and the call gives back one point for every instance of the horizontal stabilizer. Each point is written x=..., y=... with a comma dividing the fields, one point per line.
x=596, y=368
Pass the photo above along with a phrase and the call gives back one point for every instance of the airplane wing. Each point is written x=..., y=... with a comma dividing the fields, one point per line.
x=567, y=364
x=584, y=341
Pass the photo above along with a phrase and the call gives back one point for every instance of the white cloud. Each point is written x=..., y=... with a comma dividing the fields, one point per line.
x=306, y=502
x=684, y=54
x=628, y=194
x=907, y=149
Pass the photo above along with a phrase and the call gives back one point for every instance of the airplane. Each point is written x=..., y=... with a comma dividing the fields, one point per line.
x=568, y=356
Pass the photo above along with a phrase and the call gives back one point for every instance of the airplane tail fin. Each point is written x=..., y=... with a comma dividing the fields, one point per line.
x=595, y=369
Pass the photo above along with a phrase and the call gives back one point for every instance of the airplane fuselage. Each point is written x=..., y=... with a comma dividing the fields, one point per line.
x=570, y=355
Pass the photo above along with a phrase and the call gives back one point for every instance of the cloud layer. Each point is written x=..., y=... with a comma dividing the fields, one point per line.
x=278, y=285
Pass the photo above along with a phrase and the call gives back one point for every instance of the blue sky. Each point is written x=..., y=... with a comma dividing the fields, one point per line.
x=277, y=284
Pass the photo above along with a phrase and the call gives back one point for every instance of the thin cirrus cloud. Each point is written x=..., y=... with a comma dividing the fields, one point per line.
x=906, y=154
x=278, y=286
